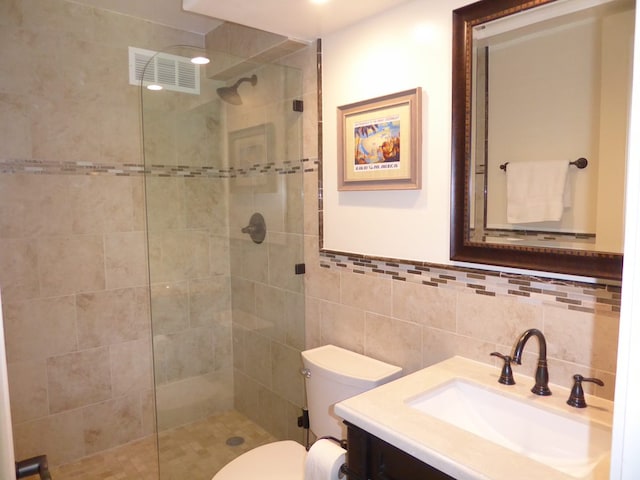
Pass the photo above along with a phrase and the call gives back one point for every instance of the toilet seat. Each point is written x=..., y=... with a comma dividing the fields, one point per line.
x=274, y=461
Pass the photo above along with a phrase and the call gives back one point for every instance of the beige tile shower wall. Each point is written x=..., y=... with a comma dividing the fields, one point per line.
x=73, y=266
x=265, y=145
x=190, y=297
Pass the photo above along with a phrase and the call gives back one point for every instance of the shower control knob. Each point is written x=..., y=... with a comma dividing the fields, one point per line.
x=257, y=228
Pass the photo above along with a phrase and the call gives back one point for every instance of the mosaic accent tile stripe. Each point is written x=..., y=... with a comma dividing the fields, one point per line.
x=570, y=295
x=41, y=167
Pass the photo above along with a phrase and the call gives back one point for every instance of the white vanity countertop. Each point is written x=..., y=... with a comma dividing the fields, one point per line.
x=456, y=452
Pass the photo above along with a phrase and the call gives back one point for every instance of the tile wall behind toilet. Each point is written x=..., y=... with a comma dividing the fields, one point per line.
x=72, y=247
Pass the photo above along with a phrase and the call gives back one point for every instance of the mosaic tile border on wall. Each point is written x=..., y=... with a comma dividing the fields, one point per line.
x=41, y=167
x=570, y=295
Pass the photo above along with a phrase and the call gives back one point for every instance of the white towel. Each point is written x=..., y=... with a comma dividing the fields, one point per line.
x=536, y=191
x=324, y=460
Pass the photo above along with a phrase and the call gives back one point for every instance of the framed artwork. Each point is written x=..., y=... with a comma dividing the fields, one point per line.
x=379, y=143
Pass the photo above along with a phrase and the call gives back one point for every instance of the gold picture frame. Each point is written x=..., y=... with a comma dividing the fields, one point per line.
x=370, y=134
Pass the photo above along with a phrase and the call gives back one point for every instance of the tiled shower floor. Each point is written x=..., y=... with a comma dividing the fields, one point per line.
x=192, y=452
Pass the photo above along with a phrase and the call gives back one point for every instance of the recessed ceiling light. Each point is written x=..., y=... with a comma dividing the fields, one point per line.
x=200, y=60
x=319, y=2
x=154, y=86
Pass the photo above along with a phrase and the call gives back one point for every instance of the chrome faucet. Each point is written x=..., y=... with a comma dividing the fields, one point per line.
x=542, y=372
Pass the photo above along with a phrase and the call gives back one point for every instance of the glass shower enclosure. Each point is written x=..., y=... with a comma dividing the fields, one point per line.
x=224, y=211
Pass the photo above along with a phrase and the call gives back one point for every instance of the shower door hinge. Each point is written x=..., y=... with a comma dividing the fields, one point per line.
x=298, y=106
x=300, y=268
x=303, y=420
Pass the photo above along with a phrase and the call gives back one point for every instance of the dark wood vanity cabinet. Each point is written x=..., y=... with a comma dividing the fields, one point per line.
x=370, y=458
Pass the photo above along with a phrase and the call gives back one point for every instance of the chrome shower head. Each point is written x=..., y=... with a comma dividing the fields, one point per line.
x=231, y=95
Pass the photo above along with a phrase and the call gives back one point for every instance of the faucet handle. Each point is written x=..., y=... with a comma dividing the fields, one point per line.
x=506, y=376
x=576, y=399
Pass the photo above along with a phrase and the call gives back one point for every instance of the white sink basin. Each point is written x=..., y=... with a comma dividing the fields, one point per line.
x=570, y=445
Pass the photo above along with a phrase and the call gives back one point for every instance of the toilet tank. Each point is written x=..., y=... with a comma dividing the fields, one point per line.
x=334, y=374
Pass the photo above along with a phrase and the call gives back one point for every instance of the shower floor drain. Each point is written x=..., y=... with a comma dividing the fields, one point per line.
x=234, y=441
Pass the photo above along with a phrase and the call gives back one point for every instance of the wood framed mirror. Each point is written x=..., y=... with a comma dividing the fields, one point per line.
x=541, y=80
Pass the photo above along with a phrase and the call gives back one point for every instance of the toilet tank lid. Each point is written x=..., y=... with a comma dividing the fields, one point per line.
x=351, y=366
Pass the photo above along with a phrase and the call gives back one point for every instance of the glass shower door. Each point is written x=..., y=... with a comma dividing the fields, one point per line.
x=227, y=312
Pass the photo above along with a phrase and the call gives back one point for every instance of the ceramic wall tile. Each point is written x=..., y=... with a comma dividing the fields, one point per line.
x=493, y=319
x=342, y=326
x=209, y=301
x=311, y=205
x=40, y=328
x=125, y=259
x=285, y=251
x=431, y=307
x=100, y=204
x=205, y=204
x=270, y=306
x=319, y=282
x=394, y=341
x=130, y=364
x=178, y=255
x=272, y=411
x=258, y=360
x=111, y=423
x=287, y=381
x=78, y=379
x=109, y=317
x=170, y=307
x=219, y=255
x=14, y=112
x=223, y=352
x=19, y=269
x=245, y=394
x=294, y=317
x=28, y=385
x=148, y=402
x=254, y=260
x=185, y=354
x=184, y=402
x=165, y=203
x=438, y=345
x=366, y=293
x=71, y=264
x=312, y=327
x=61, y=436
x=585, y=339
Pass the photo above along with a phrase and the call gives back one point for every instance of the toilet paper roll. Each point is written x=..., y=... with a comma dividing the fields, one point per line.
x=324, y=460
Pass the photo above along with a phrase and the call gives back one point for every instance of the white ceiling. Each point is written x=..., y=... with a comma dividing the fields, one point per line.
x=165, y=12
x=300, y=19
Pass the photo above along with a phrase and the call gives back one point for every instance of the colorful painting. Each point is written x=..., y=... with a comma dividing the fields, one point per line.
x=371, y=134
x=377, y=141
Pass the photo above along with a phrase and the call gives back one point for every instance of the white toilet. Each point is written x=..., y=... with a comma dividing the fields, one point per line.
x=332, y=374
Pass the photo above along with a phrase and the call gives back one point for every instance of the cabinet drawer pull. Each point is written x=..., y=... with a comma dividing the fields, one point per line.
x=345, y=470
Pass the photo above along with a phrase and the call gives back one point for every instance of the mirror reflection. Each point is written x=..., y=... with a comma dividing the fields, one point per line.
x=546, y=119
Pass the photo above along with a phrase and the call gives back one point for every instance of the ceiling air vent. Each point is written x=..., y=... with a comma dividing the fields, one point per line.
x=172, y=72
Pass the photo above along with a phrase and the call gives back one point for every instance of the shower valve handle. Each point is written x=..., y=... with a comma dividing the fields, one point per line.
x=257, y=228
